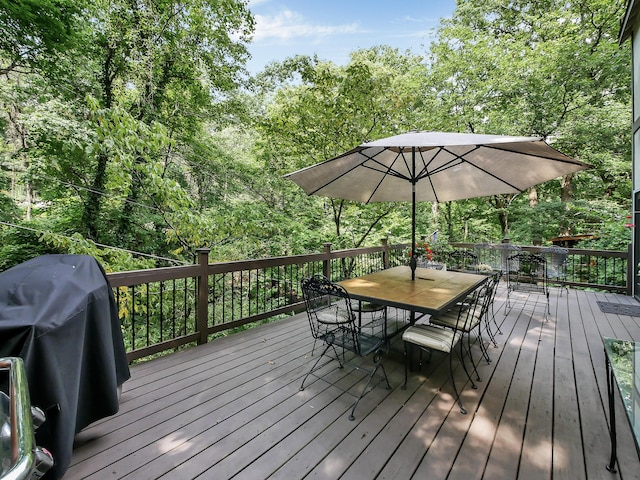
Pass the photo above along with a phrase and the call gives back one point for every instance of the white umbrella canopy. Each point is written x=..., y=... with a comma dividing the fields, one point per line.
x=436, y=167
x=448, y=166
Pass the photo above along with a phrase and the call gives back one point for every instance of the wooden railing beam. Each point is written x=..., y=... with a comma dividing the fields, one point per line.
x=198, y=294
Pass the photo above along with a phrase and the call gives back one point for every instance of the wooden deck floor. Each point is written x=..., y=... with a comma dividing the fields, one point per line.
x=233, y=409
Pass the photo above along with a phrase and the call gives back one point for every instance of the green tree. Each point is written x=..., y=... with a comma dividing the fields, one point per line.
x=33, y=32
x=113, y=138
x=320, y=110
x=169, y=64
x=544, y=69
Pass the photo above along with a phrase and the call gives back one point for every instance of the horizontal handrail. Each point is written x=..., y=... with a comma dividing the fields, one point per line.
x=168, y=308
x=592, y=269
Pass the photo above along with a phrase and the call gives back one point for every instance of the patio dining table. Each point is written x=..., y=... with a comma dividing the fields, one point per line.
x=432, y=291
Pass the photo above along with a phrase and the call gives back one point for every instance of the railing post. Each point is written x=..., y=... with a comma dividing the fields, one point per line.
x=203, y=295
x=504, y=255
x=326, y=264
x=385, y=253
x=630, y=269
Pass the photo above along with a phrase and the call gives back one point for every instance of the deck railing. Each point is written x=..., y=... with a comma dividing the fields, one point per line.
x=167, y=308
x=594, y=269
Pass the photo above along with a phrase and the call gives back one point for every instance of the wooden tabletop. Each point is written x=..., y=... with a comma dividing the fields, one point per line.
x=431, y=292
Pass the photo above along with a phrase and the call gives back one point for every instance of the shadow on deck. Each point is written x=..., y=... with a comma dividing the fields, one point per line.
x=232, y=408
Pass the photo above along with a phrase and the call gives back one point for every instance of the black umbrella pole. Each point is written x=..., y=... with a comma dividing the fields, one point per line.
x=413, y=261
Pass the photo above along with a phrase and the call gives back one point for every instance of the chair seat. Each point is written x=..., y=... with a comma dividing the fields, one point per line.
x=431, y=337
x=453, y=319
x=364, y=343
x=367, y=307
x=334, y=316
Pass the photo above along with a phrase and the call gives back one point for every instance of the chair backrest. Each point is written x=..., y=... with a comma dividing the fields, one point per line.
x=475, y=307
x=501, y=253
x=329, y=309
x=556, y=260
x=462, y=260
x=485, y=255
x=527, y=264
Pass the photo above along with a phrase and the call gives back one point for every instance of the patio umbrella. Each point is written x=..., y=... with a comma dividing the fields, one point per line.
x=437, y=167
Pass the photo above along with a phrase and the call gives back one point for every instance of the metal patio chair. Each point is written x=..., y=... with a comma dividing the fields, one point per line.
x=469, y=316
x=502, y=253
x=447, y=336
x=462, y=260
x=527, y=273
x=490, y=314
x=556, y=258
x=333, y=321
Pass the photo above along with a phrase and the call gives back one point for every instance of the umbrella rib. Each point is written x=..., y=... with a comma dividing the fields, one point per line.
x=385, y=170
x=536, y=155
x=487, y=171
x=424, y=173
x=389, y=171
x=459, y=159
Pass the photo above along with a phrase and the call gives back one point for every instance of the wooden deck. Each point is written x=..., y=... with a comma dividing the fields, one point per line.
x=233, y=409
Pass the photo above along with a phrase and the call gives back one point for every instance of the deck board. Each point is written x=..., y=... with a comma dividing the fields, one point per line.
x=233, y=409
x=516, y=359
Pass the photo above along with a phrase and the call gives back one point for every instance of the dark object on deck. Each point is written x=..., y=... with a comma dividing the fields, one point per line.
x=58, y=313
x=620, y=309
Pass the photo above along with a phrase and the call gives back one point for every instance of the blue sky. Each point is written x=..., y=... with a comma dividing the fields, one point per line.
x=334, y=28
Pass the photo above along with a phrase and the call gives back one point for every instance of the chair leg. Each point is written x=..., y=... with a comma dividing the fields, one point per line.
x=487, y=327
x=483, y=347
x=495, y=322
x=315, y=365
x=406, y=365
x=490, y=315
x=453, y=383
x=377, y=359
x=547, y=312
x=473, y=363
x=464, y=364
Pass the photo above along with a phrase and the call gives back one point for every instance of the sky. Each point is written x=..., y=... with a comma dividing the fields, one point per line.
x=334, y=28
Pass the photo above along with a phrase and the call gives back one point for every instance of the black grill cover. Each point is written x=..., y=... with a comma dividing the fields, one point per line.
x=58, y=313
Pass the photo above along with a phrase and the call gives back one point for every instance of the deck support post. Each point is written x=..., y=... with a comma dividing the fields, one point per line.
x=326, y=264
x=203, y=295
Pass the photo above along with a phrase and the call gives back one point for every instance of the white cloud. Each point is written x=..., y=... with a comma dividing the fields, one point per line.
x=427, y=20
x=288, y=24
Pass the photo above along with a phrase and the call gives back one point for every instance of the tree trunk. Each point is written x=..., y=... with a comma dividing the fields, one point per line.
x=501, y=204
x=533, y=197
x=447, y=216
x=92, y=205
x=21, y=138
x=567, y=188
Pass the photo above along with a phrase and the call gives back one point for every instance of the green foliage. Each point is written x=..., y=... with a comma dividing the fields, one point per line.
x=32, y=29
x=8, y=209
x=321, y=110
x=604, y=219
x=143, y=136
x=21, y=244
